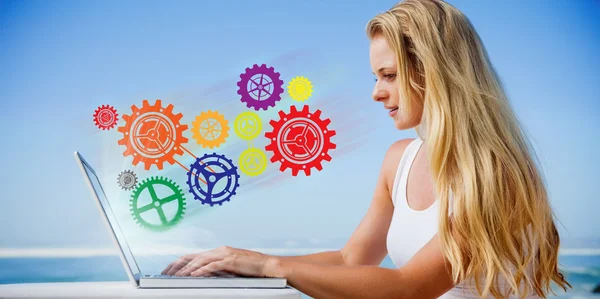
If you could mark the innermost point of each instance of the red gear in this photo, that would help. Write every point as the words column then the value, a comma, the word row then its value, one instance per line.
column 300, row 140
column 153, row 134
column 106, row 117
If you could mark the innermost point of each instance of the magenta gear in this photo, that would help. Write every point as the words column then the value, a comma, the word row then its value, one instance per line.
column 300, row 140
column 260, row 87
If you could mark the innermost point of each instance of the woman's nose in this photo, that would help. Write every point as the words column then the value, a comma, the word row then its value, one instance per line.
column 379, row 94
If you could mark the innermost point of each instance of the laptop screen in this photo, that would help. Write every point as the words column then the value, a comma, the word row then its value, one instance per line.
column 116, row 229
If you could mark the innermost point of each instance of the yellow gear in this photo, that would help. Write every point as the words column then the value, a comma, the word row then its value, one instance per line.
column 210, row 129
column 247, row 125
column 300, row 89
column 253, row 161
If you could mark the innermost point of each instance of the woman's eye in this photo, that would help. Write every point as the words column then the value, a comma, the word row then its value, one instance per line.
column 387, row 76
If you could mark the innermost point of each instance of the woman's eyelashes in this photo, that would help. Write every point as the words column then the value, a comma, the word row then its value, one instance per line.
column 389, row 77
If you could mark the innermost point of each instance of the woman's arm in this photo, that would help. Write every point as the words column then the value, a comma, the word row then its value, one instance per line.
column 426, row 275
column 327, row 257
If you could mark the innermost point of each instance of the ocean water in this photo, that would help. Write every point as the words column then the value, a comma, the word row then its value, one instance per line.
column 583, row 272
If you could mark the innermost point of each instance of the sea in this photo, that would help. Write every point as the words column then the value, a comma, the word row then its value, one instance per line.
column 582, row 271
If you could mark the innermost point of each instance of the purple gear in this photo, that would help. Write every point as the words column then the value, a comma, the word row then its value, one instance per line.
column 257, row 91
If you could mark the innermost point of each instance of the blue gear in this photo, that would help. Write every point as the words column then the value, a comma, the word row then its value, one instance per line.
column 201, row 169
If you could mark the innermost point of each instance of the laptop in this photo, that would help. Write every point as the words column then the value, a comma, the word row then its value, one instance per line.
column 149, row 280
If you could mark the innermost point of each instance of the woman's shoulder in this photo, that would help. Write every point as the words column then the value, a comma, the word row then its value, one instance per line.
column 401, row 145
column 397, row 149
column 392, row 158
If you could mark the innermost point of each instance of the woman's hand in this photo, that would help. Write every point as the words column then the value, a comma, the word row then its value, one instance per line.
column 224, row 259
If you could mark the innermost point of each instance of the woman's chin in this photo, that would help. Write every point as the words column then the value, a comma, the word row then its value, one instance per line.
column 402, row 125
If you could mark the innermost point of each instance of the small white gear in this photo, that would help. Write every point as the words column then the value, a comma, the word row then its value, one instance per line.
column 127, row 180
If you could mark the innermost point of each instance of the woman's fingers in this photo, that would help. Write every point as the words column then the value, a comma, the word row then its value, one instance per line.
column 166, row 269
column 217, row 266
column 182, row 266
column 169, row 267
column 178, row 264
column 195, row 264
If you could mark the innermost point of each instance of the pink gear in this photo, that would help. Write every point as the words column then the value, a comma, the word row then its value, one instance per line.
column 300, row 140
column 106, row 117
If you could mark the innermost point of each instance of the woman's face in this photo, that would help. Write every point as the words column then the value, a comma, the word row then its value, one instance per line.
column 386, row 90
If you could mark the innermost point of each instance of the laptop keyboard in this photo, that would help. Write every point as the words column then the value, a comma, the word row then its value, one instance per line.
column 178, row 277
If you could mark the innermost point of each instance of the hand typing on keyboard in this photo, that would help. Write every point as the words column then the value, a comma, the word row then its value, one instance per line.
column 229, row 260
column 212, row 275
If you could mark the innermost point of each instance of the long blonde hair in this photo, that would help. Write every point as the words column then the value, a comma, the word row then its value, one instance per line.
column 501, row 221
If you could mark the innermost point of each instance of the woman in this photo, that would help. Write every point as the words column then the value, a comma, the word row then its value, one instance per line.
column 462, row 210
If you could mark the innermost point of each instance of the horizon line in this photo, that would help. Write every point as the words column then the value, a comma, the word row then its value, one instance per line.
column 96, row 252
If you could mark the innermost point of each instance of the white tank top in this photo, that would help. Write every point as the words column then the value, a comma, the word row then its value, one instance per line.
column 410, row 229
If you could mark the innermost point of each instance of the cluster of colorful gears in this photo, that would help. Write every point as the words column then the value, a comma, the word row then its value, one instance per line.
column 153, row 134
column 300, row 140
column 247, row 126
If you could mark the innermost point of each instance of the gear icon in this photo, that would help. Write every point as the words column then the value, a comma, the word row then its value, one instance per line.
column 127, row 180
column 300, row 140
column 260, row 87
column 220, row 179
column 247, row 125
column 153, row 134
column 210, row 129
column 106, row 117
column 253, row 161
column 149, row 211
column 300, row 89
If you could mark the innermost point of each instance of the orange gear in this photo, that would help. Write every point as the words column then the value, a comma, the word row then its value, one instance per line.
column 152, row 134
column 210, row 129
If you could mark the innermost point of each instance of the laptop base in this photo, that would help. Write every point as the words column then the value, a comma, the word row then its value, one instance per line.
column 212, row 282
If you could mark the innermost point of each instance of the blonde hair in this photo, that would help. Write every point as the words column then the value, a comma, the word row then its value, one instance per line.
column 501, row 221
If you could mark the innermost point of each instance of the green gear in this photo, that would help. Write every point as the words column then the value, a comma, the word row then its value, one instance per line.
column 157, row 203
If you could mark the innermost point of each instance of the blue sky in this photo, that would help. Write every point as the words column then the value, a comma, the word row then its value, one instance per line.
column 59, row 60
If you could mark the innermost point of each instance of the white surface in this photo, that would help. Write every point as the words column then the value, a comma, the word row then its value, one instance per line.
column 126, row 290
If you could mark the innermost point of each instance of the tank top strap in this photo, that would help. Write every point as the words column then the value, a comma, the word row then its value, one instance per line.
column 406, row 162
